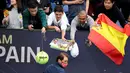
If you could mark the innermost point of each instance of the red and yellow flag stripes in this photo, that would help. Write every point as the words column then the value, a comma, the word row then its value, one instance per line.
column 110, row 38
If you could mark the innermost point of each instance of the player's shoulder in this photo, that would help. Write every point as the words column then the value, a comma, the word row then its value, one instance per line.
column 51, row 65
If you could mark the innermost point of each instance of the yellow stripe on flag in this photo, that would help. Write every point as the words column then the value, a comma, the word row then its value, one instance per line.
column 115, row 37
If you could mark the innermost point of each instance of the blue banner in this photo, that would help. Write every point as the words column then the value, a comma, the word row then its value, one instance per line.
column 18, row 49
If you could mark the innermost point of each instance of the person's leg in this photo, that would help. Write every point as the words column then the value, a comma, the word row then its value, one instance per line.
column 53, row 5
column 71, row 13
column 65, row 7
column 91, row 9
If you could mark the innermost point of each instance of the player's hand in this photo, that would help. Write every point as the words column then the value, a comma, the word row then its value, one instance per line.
column 57, row 29
column 43, row 29
column 30, row 27
column 63, row 38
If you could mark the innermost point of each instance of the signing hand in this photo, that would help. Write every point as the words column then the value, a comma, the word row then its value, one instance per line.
column 30, row 27
column 43, row 30
column 57, row 29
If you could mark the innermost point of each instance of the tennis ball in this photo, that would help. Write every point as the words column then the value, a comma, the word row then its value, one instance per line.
column 42, row 57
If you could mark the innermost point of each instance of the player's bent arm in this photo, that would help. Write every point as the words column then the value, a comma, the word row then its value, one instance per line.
column 63, row 32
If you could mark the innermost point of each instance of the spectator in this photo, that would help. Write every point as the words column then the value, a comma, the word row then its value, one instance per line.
column 44, row 4
column 61, row 63
column 75, row 6
column 111, row 10
column 57, row 20
column 14, row 18
column 33, row 17
column 81, row 22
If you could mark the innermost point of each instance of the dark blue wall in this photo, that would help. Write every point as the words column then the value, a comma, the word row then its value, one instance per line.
column 90, row 59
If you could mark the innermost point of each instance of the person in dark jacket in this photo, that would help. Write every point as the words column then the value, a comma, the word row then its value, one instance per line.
column 58, row 67
column 34, row 17
column 111, row 10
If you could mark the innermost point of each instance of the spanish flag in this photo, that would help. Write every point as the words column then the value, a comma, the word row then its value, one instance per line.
column 110, row 38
